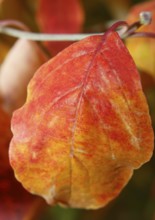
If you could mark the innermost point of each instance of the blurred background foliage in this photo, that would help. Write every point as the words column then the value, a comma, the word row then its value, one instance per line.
column 137, row 200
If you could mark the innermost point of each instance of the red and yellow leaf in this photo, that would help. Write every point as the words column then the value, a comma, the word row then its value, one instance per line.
column 85, row 126
column 143, row 49
column 59, row 17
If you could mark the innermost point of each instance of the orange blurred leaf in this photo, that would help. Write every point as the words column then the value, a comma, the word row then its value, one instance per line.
column 85, row 126
column 20, row 64
column 59, row 17
column 143, row 49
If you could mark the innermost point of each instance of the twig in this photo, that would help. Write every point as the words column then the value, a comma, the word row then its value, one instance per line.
column 124, row 32
column 43, row 37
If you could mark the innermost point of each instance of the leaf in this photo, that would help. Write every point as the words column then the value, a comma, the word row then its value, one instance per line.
column 84, row 127
column 59, row 17
column 17, row 70
column 143, row 49
column 15, row 202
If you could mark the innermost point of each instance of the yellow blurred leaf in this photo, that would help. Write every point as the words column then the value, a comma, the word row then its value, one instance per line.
column 143, row 49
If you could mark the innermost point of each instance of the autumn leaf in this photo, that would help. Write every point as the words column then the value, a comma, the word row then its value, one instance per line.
column 143, row 49
column 24, row 58
column 84, row 127
column 59, row 17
